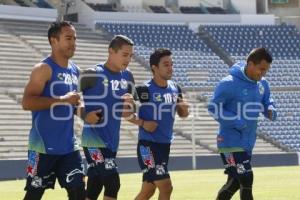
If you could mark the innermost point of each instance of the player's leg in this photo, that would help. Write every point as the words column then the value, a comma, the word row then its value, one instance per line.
column 111, row 186
column 165, row 188
column 246, row 182
column 229, row 189
column 232, row 184
column 95, row 185
column 70, row 174
column 153, row 160
column 244, row 174
column 40, row 175
column 109, row 172
column 147, row 164
column 146, row 192
column 34, row 194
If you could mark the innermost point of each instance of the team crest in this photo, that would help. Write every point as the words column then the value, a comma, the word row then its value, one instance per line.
column 124, row 84
column 261, row 88
column 245, row 92
column 105, row 82
column 157, row 97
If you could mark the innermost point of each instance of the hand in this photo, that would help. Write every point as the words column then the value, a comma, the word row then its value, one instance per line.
column 128, row 99
column 94, row 117
column 149, row 126
column 71, row 97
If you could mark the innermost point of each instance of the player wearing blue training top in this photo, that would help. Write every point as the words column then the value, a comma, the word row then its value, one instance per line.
column 107, row 90
column 238, row 100
column 50, row 95
column 160, row 99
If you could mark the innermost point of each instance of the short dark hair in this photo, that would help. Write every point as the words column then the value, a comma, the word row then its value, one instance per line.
column 55, row 28
column 158, row 54
column 259, row 54
column 118, row 41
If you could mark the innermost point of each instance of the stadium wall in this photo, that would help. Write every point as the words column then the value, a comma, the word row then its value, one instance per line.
column 27, row 13
column 15, row 169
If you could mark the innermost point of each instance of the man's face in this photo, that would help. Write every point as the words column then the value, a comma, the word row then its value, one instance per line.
column 65, row 44
column 122, row 57
column 164, row 70
column 256, row 72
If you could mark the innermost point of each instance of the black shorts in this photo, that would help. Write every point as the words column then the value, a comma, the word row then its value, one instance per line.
column 237, row 163
column 43, row 169
column 101, row 161
column 153, row 160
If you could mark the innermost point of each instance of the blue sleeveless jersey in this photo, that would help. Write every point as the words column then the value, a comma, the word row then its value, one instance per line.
column 160, row 107
column 105, row 94
column 52, row 129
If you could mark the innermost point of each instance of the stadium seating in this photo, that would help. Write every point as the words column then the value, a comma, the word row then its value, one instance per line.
column 185, row 45
column 282, row 40
column 192, row 69
column 286, row 130
column 23, row 43
column 30, row 37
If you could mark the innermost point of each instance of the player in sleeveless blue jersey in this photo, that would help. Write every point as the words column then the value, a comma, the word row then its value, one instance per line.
column 51, row 96
column 238, row 99
column 160, row 99
column 107, row 90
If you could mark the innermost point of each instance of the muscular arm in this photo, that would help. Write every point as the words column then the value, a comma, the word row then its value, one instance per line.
column 32, row 99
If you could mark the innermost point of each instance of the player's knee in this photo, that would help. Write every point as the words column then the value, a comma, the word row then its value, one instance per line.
column 246, row 180
column 166, row 188
column 112, row 185
column 35, row 194
column 76, row 193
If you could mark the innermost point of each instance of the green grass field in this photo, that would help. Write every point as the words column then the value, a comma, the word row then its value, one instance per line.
column 274, row 183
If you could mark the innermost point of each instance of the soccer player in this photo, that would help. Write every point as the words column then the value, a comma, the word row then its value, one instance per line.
column 238, row 100
column 51, row 96
column 107, row 91
column 160, row 99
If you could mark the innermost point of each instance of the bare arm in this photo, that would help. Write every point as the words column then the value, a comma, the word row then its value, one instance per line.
column 32, row 99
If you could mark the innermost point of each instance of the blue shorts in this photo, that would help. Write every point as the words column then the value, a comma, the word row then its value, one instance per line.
column 43, row 169
column 236, row 163
column 101, row 161
column 153, row 160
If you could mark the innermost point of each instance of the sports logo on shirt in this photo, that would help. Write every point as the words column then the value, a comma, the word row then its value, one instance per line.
column 157, row 97
column 105, row 82
column 123, row 84
column 68, row 78
column 147, row 156
column 261, row 88
column 96, row 155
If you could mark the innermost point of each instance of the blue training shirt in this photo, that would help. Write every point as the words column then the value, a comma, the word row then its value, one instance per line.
column 104, row 93
column 52, row 129
column 159, row 106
